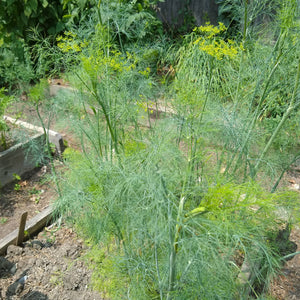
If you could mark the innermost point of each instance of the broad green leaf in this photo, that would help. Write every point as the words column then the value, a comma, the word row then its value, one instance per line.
column 27, row 11
column 59, row 26
column 45, row 3
column 33, row 5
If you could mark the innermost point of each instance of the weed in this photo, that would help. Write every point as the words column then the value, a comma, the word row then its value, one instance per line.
column 17, row 177
column 56, row 278
column 49, row 236
column 17, row 186
column 108, row 273
column 35, row 194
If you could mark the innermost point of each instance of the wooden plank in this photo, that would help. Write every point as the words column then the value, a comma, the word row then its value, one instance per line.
column 54, row 137
column 20, row 236
column 32, row 227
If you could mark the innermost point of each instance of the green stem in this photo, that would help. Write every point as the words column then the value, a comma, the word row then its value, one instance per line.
column 49, row 150
column 194, row 138
column 245, row 19
column 297, row 156
column 3, row 141
column 94, row 93
column 249, row 130
column 99, row 12
column 174, row 250
column 210, row 63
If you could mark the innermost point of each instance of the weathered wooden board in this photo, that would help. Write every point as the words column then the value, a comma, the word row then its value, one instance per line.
column 32, row 227
column 174, row 12
column 16, row 160
column 54, row 137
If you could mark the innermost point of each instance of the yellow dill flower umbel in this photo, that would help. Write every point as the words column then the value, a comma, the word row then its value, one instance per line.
column 210, row 30
column 216, row 46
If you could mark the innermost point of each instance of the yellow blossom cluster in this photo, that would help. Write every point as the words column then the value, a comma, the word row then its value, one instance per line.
column 145, row 104
column 210, row 30
column 219, row 48
column 216, row 46
column 114, row 62
column 68, row 43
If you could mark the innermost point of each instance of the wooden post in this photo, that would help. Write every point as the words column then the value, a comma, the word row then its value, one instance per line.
column 21, row 229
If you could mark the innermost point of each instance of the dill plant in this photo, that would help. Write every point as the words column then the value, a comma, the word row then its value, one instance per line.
column 214, row 79
column 37, row 94
column 138, row 203
column 173, row 226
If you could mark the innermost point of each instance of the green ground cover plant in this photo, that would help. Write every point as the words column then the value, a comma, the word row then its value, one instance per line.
column 169, row 200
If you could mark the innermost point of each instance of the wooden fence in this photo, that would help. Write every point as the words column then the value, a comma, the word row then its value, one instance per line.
column 177, row 13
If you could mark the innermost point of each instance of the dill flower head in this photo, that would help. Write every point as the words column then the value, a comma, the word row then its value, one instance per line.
column 211, row 43
column 210, row 30
column 69, row 43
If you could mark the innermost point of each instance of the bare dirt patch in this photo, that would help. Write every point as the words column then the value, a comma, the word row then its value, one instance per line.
column 32, row 193
column 287, row 285
column 49, row 267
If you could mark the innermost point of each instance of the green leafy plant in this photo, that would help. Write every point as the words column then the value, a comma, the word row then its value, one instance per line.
column 15, row 66
column 17, row 186
column 28, row 32
column 36, row 95
column 162, row 247
column 35, row 193
column 246, row 18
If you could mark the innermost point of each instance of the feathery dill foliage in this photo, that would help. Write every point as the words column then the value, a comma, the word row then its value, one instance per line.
column 168, row 217
column 137, row 202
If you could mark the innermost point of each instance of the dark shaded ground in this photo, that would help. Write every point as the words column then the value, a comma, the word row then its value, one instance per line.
column 287, row 285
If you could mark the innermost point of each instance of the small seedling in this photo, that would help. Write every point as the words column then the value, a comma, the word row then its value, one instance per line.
column 17, row 185
column 49, row 236
column 34, row 191
column 16, row 176
column 56, row 278
column 51, row 150
column 35, row 194
column 3, row 220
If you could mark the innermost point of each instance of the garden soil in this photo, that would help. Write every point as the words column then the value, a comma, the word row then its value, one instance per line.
column 51, row 266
